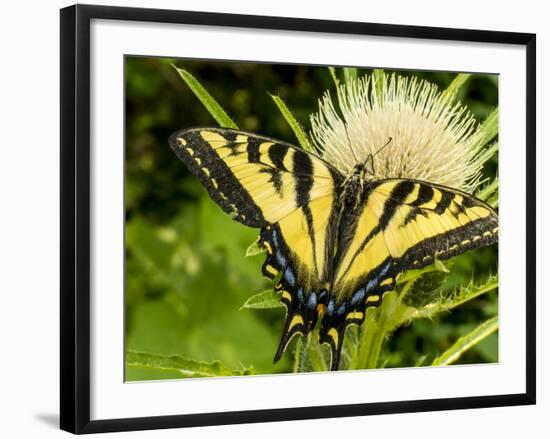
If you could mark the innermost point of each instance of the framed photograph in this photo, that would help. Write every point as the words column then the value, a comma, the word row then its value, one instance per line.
column 267, row 218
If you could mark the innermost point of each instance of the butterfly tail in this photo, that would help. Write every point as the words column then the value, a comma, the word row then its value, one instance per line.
column 334, row 336
column 294, row 324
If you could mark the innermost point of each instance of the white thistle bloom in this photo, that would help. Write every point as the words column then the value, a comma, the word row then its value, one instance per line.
column 433, row 136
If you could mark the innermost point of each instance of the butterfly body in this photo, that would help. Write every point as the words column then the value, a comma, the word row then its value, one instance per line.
column 335, row 243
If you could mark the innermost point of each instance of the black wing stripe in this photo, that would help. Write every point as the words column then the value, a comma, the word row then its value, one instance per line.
column 204, row 157
column 302, row 164
column 473, row 235
column 398, row 195
column 444, row 202
column 253, row 150
column 425, row 194
column 304, row 167
column 277, row 153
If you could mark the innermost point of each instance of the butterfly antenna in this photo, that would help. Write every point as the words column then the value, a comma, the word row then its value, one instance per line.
column 371, row 156
column 349, row 143
column 386, row 144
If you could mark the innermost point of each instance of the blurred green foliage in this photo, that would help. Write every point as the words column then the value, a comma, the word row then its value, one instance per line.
column 187, row 276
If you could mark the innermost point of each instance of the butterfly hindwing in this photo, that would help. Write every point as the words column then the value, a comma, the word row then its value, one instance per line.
column 298, row 250
column 401, row 225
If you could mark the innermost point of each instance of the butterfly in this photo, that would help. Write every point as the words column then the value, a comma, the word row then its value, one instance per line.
column 335, row 243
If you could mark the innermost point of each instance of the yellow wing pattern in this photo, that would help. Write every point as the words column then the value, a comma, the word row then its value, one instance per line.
column 330, row 262
column 285, row 191
column 255, row 179
column 402, row 224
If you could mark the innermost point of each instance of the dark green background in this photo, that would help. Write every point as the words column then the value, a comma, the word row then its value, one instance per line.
column 186, row 272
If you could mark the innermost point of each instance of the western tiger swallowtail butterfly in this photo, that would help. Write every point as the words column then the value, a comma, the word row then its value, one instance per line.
column 335, row 243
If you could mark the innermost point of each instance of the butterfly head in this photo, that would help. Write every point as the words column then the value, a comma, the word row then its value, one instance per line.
column 362, row 170
column 365, row 170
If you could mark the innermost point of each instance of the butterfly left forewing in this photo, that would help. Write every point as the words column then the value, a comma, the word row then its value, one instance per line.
column 255, row 179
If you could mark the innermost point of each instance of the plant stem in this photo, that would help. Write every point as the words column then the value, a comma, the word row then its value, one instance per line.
column 376, row 327
column 377, row 339
column 370, row 344
column 297, row 366
column 317, row 358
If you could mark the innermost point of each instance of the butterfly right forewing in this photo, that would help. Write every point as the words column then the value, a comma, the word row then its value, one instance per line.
column 402, row 224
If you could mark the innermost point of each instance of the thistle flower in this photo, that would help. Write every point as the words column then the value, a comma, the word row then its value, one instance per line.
column 433, row 136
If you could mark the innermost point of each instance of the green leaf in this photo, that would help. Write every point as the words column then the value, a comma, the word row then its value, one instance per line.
column 379, row 79
column 488, row 129
column 298, row 356
column 350, row 74
column 493, row 201
column 485, row 192
column 316, row 356
column 488, row 153
column 254, row 249
column 294, row 124
column 455, row 85
column 466, row 342
column 207, row 100
column 469, row 292
column 414, row 274
column 265, row 300
column 460, row 296
column 332, row 71
column 420, row 361
column 188, row 368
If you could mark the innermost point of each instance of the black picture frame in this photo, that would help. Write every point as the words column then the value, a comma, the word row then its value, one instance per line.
column 75, row 217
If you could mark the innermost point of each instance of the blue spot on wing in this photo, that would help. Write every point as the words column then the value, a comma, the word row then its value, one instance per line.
column 275, row 239
column 371, row 284
column 358, row 297
column 374, row 282
column 330, row 307
column 289, row 277
column 312, row 301
column 280, row 259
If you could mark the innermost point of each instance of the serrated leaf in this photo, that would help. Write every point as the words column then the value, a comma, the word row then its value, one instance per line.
column 254, row 249
column 440, row 266
column 188, row 368
column 207, row 100
column 294, row 124
column 460, row 296
column 465, row 343
column 413, row 274
column 267, row 299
